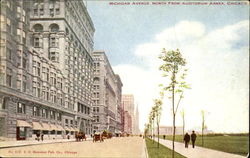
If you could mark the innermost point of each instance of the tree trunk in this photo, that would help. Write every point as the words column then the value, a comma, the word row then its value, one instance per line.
column 158, row 134
column 202, row 133
column 183, row 130
column 153, row 132
column 173, row 120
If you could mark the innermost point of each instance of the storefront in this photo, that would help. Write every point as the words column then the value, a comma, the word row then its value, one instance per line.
column 21, row 130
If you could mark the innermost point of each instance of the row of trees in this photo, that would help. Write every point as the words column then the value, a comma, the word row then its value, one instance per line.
column 175, row 73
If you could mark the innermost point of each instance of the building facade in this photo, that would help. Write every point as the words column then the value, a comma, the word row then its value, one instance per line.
column 136, row 121
column 127, row 123
column 106, row 95
column 129, row 106
column 46, row 68
column 168, row 130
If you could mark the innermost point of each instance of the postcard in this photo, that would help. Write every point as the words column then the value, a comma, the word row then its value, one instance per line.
column 124, row 78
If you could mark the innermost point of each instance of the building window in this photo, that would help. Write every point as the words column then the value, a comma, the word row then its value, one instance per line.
column 36, row 111
column 9, row 54
column 66, row 121
column 57, row 11
column 8, row 80
column 38, row 28
column 36, row 42
column 8, row 25
column 53, row 42
column 21, row 108
column 36, row 68
column 41, row 11
column 45, row 74
column 45, row 113
column 59, row 116
column 24, row 84
column 38, row 90
column 18, row 85
column 71, row 122
column 24, row 63
column 54, row 28
column 51, row 11
column 53, row 56
column 35, row 12
column 52, row 115
column 96, row 118
column 59, row 83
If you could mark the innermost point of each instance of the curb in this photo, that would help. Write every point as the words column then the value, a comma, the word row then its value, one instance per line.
column 12, row 146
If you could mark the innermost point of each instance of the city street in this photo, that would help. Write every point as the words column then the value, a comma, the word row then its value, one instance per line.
column 115, row 147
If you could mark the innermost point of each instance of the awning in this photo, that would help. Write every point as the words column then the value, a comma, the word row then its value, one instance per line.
column 46, row 126
column 76, row 129
column 67, row 128
column 53, row 127
column 118, row 131
column 60, row 128
column 21, row 123
column 37, row 126
column 71, row 129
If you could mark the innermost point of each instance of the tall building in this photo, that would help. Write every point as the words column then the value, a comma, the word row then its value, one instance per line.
column 136, row 121
column 127, row 123
column 46, row 68
column 129, row 106
column 106, row 95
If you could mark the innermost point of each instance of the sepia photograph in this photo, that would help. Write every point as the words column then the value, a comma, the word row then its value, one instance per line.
column 124, row 78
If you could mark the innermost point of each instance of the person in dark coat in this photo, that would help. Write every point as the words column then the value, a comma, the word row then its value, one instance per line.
column 186, row 139
column 42, row 137
column 38, row 136
column 193, row 138
column 164, row 137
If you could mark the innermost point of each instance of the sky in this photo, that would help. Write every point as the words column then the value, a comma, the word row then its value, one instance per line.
column 214, row 40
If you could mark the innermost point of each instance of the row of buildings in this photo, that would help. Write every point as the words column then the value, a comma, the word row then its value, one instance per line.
column 51, row 79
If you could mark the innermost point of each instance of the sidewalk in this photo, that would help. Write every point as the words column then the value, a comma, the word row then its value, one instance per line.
column 145, row 150
column 15, row 143
column 198, row 152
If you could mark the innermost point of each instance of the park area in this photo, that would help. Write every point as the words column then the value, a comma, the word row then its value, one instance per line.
column 161, row 152
column 230, row 143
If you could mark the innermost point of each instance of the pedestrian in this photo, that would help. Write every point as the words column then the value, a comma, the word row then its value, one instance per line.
column 186, row 139
column 42, row 137
column 193, row 138
column 38, row 136
column 68, row 135
column 164, row 137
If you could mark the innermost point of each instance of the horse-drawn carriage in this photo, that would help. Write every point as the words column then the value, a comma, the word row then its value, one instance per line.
column 98, row 137
column 106, row 134
column 80, row 136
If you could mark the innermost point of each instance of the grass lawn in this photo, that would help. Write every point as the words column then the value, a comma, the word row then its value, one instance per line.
column 161, row 152
column 231, row 144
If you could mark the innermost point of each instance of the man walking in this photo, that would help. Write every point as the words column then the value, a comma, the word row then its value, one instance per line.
column 186, row 140
column 193, row 138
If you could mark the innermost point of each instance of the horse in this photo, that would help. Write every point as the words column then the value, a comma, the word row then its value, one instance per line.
column 97, row 137
column 80, row 136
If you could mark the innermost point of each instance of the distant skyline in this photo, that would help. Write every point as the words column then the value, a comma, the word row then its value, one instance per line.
column 214, row 41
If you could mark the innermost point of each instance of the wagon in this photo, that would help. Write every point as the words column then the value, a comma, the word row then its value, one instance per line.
column 97, row 137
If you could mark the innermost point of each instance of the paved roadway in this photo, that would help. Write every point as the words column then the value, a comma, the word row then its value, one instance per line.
column 198, row 152
column 123, row 147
